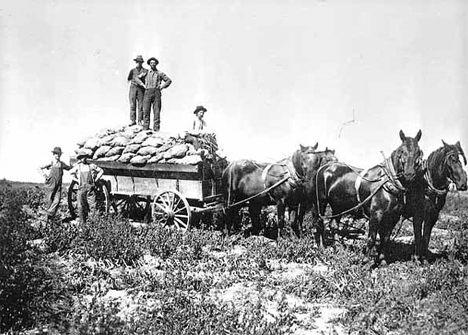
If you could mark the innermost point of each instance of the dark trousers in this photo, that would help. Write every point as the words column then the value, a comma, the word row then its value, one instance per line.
column 53, row 201
column 136, row 98
column 152, row 98
column 86, row 197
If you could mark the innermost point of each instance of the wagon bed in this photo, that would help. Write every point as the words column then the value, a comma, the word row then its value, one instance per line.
column 174, row 190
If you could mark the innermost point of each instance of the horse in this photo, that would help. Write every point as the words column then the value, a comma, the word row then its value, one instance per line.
column 442, row 167
column 379, row 193
column 262, row 184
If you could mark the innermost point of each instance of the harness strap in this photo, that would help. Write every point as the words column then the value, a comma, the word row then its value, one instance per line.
column 357, row 183
column 265, row 173
column 431, row 187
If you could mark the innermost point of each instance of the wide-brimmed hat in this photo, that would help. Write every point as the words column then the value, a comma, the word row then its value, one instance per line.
column 139, row 59
column 152, row 58
column 199, row 108
column 57, row 150
column 81, row 154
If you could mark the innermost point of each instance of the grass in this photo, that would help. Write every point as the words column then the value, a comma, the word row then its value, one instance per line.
column 109, row 277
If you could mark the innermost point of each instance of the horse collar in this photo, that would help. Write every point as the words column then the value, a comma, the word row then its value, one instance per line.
column 389, row 170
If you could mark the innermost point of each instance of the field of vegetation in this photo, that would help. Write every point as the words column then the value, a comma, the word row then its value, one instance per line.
column 111, row 276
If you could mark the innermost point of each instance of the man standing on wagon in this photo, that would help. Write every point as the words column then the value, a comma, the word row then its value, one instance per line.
column 155, row 82
column 136, row 78
column 86, row 175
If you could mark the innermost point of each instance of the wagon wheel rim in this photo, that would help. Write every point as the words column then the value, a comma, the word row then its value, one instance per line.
column 171, row 209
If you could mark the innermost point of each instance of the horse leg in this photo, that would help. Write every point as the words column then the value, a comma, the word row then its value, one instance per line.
column 429, row 223
column 231, row 221
column 254, row 210
column 280, row 208
column 319, row 225
column 418, row 241
column 294, row 220
column 374, row 222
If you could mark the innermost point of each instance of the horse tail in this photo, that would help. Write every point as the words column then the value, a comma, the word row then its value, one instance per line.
column 227, row 182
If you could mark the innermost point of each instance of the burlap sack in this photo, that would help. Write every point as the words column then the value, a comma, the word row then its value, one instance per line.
column 133, row 148
column 191, row 160
column 106, row 140
column 177, row 151
column 166, row 146
column 120, row 141
column 126, row 157
column 155, row 159
column 153, row 142
column 85, row 151
column 141, row 137
column 145, row 151
column 101, row 151
column 139, row 160
column 115, row 151
column 92, row 143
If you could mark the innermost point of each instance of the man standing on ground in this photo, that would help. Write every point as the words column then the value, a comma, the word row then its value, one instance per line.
column 86, row 175
column 155, row 82
column 137, row 90
column 53, row 181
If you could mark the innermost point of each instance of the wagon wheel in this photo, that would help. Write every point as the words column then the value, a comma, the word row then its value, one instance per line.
column 171, row 209
column 132, row 207
column 102, row 198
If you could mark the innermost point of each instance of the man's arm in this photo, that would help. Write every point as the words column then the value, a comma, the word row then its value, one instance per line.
column 42, row 168
column 166, row 81
column 65, row 166
column 130, row 75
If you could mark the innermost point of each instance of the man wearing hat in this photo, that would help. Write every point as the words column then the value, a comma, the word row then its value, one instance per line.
column 198, row 127
column 155, row 82
column 136, row 78
column 53, row 180
column 86, row 175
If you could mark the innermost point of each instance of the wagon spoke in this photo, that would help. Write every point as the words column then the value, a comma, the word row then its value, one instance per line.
column 180, row 210
column 163, row 199
column 180, row 223
column 177, row 204
column 164, row 208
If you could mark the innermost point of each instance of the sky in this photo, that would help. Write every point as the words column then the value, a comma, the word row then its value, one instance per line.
column 272, row 74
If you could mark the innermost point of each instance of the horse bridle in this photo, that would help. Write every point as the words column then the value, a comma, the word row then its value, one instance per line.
column 428, row 178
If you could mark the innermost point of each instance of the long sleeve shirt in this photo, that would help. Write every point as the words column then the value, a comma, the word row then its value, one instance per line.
column 154, row 79
column 137, row 76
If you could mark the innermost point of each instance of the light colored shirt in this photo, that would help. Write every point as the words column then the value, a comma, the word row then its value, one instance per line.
column 136, row 76
column 154, row 79
column 199, row 126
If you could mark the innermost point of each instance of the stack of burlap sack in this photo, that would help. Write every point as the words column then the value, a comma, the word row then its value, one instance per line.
column 133, row 145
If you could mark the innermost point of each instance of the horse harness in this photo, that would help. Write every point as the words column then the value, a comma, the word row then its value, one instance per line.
column 390, row 184
column 290, row 174
column 431, row 190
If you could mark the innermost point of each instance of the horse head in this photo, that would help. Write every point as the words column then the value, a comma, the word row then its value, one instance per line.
column 307, row 159
column 407, row 158
column 454, row 167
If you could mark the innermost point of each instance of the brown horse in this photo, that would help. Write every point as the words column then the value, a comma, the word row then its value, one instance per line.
column 442, row 167
column 260, row 184
column 378, row 193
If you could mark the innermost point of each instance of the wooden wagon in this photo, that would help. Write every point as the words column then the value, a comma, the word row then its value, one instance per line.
column 168, row 194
